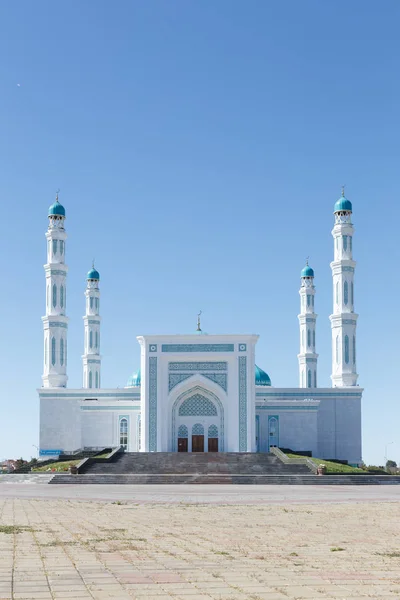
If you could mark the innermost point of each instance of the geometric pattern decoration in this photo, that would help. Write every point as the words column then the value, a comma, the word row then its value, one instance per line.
column 152, row 404
column 197, row 348
column 182, row 431
column 219, row 378
column 198, row 366
column 213, row 431
column 197, row 406
column 175, row 378
column 198, row 429
column 242, row 347
column 242, row 403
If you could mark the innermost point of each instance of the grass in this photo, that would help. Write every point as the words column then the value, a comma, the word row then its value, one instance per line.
column 60, row 466
column 393, row 554
column 8, row 529
column 337, row 549
column 334, row 468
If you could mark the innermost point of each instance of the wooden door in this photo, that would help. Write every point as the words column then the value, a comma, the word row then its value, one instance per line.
column 213, row 444
column 197, row 443
column 182, row 444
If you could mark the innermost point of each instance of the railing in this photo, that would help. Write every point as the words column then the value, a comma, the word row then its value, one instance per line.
column 300, row 460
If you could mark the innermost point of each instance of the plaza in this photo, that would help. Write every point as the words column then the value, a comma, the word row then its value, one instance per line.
column 198, row 542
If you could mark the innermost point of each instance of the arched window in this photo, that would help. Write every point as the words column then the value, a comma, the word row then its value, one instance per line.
column 308, row 299
column 352, row 293
column 354, row 349
column 61, row 351
column 309, row 378
column 346, row 292
column 313, row 338
column 183, row 431
column 61, row 247
column 315, row 378
column 308, row 338
column 337, row 292
column 337, row 349
column 198, row 429
column 91, row 302
column 96, row 339
column 123, row 433
column 55, row 246
column 346, row 349
column 53, row 351
column 91, row 339
column 213, row 431
column 345, row 243
column 97, row 379
column 97, row 304
column 312, row 299
column 351, row 243
column 54, row 295
column 90, row 379
column 62, row 296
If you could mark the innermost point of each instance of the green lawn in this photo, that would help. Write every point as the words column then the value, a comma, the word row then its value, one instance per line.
column 334, row 468
column 60, row 466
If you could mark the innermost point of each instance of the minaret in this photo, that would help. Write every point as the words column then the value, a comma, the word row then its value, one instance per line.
column 55, row 323
column 343, row 319
column 91, row 358
column 307, row 320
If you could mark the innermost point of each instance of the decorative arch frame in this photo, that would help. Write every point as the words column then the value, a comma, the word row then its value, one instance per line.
column 198, row 389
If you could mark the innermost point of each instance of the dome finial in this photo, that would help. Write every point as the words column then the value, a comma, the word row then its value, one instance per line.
column 92, row 263
column 307, row 258
column 198, row 321
column 343, row 186
column 57, row 192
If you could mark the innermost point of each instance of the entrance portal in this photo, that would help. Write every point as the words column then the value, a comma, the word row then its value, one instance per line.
column 182, row 444
column 197, row 443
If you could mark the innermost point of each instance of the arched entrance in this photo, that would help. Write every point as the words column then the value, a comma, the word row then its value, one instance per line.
column 198, row 422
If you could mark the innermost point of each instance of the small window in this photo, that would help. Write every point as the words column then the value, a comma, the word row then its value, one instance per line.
column 308, row 338
column 91, row 339
column 346, row 349
column 313, row 338
column 61, row 247
column 308, row 300
column 123, row 433
column 315, row 378
column 54, row 295
column 345, row 243
column 53, row 351
column 91, row 302
column 97, row 379
column 61, row 352
column 309, row 379
column 55, row 246
column 352, row 293
column 90, row 379
column 62, row 296
column 346, row 293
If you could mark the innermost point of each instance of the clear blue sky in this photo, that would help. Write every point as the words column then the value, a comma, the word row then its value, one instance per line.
column 199, row 148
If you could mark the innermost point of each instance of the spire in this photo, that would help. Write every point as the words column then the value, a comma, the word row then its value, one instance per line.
column 198, row 322
column 343, row 186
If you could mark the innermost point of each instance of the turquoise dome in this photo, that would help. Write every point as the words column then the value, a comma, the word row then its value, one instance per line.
column 343, row 204
column 307, row 272
column 93, row 274
column 56, row 209
column 134, row 380
column 262, row 378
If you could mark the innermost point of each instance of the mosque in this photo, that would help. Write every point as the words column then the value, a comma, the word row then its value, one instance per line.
column 198, row 392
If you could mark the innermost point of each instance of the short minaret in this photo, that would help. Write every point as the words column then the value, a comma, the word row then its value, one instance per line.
column 343, row 320
column 91, row 358
column 307, row 320
column 55, row 323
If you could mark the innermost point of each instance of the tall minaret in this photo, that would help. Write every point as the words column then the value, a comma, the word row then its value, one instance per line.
column 307, row 320
column 55, row 323
column 343, row 319
column 91, row 358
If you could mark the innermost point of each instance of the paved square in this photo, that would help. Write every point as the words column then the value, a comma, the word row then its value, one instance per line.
column 61, row 548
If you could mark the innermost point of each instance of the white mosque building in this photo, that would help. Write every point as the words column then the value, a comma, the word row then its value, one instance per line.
column 202, row 393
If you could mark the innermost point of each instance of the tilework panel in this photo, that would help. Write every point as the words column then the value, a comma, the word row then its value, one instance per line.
column 196, row 406
column 198, row 366
column 242, row 403
column 152, row 404
column 197, row 348
column 219, row 378
column 175, row 378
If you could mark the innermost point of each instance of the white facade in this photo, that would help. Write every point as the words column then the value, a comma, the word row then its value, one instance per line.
column 201, row 393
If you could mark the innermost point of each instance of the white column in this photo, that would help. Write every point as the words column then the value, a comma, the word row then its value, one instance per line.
column 91, row 358
column 55, row 323
column 307, row 321
column 343, row 320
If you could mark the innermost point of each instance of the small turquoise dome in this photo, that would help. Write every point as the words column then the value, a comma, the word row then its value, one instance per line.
column 134, row 380
column 56, row 209
column 307, row 272
column 343, row 204
column 93, row 274
column 262, row 378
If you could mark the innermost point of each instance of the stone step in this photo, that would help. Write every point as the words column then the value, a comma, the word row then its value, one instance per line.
column 26, row 478
column 148, row 479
